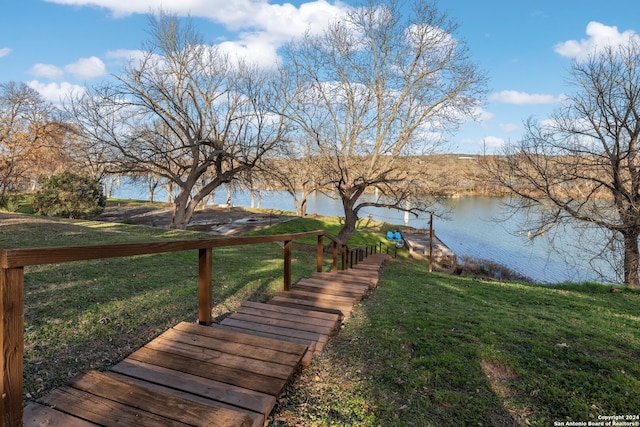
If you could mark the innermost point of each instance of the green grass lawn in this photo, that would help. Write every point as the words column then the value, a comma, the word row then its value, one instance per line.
column 429, row 349
column 423, row 349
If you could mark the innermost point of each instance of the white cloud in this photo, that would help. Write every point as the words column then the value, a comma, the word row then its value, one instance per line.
column 493, row 142
column 487, row 144
column 482, row 115
column 252, row 51
column 47, row 70
column 236, row 15
column 510, row 127
column 125, row 55
column 56, row 92
column 263, row 27
column 600, row 36
column 523, row 98
column 86, row 68
column 4, row 51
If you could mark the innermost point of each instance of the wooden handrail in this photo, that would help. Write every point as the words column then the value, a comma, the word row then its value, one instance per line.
column 13, row 261
column 21, row 257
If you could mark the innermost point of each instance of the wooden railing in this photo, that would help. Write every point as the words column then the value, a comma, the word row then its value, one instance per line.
column 352, row 256
column 13, row 261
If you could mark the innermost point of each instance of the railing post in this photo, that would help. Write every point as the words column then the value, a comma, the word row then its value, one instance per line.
column 344, row 257
column 287, row 265
column 11, row 345
column 335, row 256
column 205, row 277
column 319, row 253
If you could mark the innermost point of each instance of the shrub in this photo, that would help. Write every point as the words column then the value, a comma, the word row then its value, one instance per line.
column 69, row 195
column 11, row 202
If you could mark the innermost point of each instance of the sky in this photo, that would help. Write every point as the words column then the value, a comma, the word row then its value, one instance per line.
column 525, row 47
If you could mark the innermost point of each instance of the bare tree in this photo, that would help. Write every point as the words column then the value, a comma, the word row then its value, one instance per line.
column 295, row 170
column 31, row 138
column 381, row 82
column 582, row 166
column 184, row 111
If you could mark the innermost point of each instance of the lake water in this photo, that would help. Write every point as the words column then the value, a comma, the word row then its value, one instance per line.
column 470, row 230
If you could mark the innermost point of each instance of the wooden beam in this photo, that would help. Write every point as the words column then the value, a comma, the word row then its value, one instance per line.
column 10, row 258
column 344, row 257
column 205, row 277
column 319, row 252
column 12, row 345
column 287, row 265
column 335, row 256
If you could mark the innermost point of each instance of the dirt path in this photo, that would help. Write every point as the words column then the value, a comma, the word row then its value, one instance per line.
column 216, row 220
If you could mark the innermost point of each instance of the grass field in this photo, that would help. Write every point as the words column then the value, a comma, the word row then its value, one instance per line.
column 423, row 349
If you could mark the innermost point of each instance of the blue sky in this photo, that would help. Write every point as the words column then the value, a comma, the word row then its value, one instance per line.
column 525, row 47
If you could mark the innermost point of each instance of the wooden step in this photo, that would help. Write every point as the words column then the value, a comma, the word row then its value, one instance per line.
column 189, row 375
column 313, row 347
column 217, row 391
column 308, row 323
column 303, row 303
column 345, row 277
column 106, row 400
column 37, row 415
column 318, row 296
column 302, row 312
column 332, row 288
column 369, row 267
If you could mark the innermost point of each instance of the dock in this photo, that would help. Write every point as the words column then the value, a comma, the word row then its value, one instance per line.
column 419, row 243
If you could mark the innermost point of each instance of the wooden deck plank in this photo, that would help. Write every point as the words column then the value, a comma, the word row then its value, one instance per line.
column 367, row 267
column 165, row 343
column 285, row 323
column 274, row 330
column 167, row 405
column 330, row 284
column 236, row 377
column 104, row 412
column 315, row 347
column 298, row 312
column 345, row 277
column 257, row 419
column 253, row 340
column 215, row 390
column 319, row 296
column 36, row 415
column 329, row 290
column 312, row 346
column 345, row 311
column 291, row 318
column 227, row 349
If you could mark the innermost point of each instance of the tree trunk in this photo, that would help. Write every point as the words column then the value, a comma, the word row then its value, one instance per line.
column 350, row 220
column 182, row 211
column 303, row 207
column 631, row 259
column 300, row 205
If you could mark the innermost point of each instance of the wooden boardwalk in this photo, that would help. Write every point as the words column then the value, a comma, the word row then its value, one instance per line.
column 228, row 374
column 419, row 241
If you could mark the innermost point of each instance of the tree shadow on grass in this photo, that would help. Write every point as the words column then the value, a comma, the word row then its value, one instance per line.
column 92, row 314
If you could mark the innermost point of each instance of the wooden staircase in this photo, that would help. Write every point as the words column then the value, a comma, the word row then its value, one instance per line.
column 227, row 374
